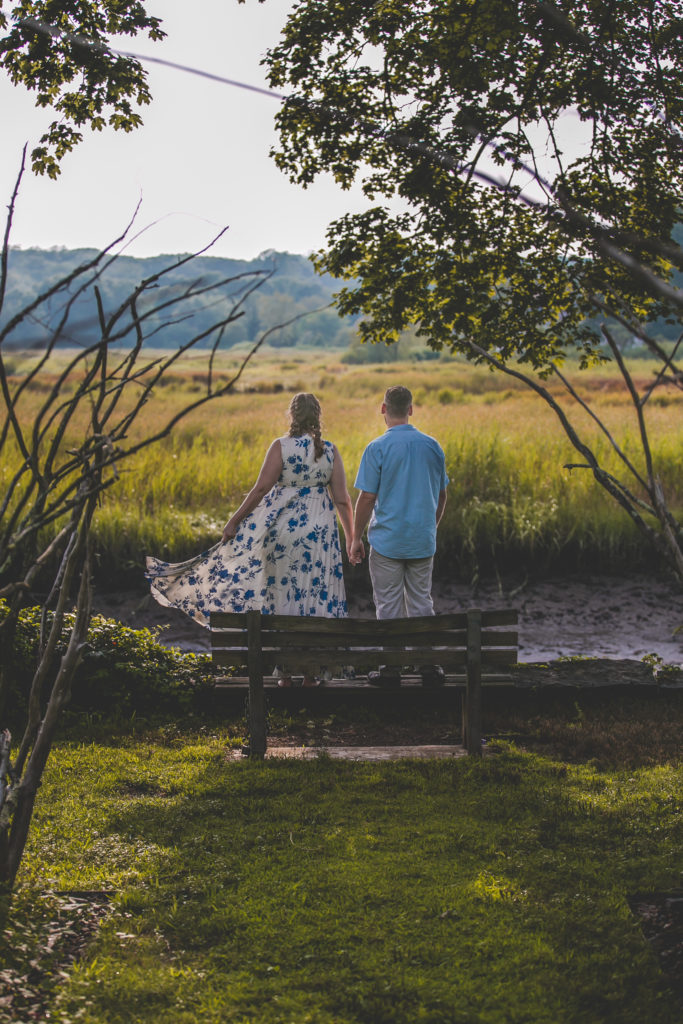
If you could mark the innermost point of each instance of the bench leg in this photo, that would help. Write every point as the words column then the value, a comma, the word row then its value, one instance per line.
column 473, row 696
column 257, row 703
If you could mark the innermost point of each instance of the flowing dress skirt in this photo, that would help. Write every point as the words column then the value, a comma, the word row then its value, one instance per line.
column 285, row 558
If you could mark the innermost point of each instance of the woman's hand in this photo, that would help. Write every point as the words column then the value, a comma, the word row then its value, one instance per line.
column 230, row 530
column 356, row 552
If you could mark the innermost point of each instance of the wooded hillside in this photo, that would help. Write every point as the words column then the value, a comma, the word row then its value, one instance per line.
column 293, row 288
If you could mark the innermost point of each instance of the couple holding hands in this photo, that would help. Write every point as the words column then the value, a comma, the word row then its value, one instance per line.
column 280, row 551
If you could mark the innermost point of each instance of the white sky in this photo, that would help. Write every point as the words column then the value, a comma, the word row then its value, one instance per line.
column 200, row 161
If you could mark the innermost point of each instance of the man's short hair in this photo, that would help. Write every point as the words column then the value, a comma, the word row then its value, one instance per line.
column 398, row 400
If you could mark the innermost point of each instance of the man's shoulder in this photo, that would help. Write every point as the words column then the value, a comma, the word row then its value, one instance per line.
column 374, row 445
column 428, row 440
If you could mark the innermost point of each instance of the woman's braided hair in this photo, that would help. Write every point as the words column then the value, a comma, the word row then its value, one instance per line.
column 305, row 413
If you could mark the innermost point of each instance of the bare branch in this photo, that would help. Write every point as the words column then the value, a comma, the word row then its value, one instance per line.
column 8, row 230
column 635, row 398
column 620, row 493
column 662, row 378
column 63, row 284
column 596, row 419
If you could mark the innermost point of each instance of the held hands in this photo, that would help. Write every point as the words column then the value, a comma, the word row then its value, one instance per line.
column 355, row 551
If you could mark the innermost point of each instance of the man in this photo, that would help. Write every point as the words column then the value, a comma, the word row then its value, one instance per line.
column 402, row 479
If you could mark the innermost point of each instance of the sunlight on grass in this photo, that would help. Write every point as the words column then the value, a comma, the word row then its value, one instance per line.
column 473, row 891
column 511, row 501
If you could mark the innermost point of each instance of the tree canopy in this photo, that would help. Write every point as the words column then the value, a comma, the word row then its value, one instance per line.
column 60, row 50
column 451, row 113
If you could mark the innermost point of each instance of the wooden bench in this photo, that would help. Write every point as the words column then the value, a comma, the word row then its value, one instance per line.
column 471, row 647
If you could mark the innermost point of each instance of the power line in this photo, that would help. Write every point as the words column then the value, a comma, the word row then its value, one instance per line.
column 54, row 32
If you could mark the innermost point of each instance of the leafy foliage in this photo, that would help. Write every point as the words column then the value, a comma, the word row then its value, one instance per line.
column 490, row 236
column 123, row 670
column 60, row 51
column 427, row 103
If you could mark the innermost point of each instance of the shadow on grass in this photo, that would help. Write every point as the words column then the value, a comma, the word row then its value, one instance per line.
column 457, row 891
column 609, row 729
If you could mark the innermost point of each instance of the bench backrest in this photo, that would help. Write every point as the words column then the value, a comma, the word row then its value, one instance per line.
column 295, row 643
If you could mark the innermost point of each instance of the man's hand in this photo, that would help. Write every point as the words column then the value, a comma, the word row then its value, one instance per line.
column 356, row 552
column 364, row 506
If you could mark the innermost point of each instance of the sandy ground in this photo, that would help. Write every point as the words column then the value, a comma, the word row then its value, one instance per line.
column 600, row 616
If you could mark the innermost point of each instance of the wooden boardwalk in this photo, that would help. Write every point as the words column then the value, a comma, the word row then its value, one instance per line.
column 434, row 751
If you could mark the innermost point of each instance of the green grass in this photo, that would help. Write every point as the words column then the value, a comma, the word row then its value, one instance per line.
column 511, row 502
column 465, row 892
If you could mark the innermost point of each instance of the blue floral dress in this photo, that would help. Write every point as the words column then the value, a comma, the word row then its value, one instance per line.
column 284, row 560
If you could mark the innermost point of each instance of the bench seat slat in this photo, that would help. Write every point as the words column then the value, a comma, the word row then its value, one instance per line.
column 438, row 639
column 454, row 680
column 308, row 657
column 316, row 660
column 224, row 640
column 361, row 627
column 284, row 640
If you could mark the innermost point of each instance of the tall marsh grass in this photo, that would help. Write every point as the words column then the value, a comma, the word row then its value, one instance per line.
column 512, row 505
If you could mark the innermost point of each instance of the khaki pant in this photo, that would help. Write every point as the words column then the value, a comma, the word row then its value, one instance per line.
column 401, row 586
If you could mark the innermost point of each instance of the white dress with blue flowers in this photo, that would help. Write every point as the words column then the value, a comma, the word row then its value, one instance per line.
column 285, row 558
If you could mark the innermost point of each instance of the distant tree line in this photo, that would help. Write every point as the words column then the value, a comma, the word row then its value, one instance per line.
column 294, row 287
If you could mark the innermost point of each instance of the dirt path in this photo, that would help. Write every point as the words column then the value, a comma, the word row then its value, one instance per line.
column 600, row 616
column 609, row 617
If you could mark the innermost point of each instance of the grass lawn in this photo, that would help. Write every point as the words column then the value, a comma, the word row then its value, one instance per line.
column 459, row 892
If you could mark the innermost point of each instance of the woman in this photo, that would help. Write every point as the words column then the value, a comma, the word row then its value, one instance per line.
column 280, row 550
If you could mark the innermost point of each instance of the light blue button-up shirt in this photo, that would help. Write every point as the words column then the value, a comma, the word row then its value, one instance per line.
column 406, row 469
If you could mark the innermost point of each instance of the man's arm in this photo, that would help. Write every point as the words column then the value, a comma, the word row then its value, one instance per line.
column 364, row 507
column 440, row 506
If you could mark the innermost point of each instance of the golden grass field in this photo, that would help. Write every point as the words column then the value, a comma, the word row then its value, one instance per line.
column 511, row 502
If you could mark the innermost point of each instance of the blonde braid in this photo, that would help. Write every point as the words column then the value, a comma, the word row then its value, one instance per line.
column 305, row 413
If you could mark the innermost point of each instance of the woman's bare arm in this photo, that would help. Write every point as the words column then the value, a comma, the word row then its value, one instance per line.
column 341, row 497
column 267, row 478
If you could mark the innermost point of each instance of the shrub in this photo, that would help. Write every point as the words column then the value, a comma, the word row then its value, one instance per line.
column 123, row 670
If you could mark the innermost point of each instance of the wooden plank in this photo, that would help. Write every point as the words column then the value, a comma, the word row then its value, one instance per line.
column 498, row 616
column 283, row 641
column 228, row 658
column 228, row 620
column 373, row 658
column 500, row 638
column 221, row 642
column 257, row 704
column 362, row 627
column 505, row 656
column 316, row 659
column 411, row 682
column 473, row 738
column 238, row 620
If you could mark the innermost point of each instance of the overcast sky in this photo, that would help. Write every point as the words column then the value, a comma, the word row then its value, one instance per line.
column 200, row 161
